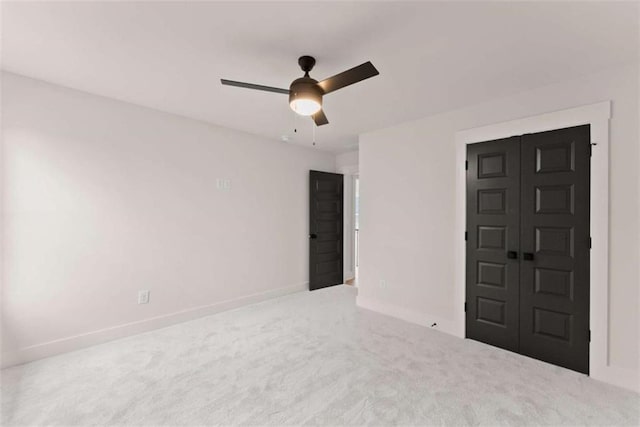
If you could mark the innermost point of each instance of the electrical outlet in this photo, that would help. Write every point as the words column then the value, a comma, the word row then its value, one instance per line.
column 143, row 297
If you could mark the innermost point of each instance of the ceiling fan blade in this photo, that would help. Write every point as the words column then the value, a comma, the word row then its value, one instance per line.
column 252, row 86
column 320, row 118
column 349, row 77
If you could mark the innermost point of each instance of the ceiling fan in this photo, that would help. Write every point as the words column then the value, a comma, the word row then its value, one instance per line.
column 305, row 93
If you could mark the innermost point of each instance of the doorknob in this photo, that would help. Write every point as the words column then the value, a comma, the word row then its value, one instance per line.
column 313, row 236
column 512, row 255
column 527, row 256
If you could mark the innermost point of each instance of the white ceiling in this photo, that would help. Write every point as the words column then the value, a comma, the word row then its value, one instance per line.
column 432, row 56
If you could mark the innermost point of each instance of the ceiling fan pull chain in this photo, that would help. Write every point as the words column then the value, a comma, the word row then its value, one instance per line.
column 313, row 126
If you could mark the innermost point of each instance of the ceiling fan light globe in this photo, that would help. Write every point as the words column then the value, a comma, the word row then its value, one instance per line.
column 305, row 107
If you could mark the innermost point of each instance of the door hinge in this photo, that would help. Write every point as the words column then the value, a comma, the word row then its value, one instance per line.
column 590, row 150
column 466, row 165
column 590, row 243
column 466, row 235
column 465, row 307
column 589, row 335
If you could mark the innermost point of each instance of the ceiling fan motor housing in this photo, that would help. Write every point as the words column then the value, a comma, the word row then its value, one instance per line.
column 305, row 88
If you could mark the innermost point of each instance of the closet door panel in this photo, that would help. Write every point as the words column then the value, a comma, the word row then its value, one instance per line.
column 492, row 275
column 554, row 239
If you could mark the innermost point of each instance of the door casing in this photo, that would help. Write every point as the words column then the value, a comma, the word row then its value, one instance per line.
column 597, row 115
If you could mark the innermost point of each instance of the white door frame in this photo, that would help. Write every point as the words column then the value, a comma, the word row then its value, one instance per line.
column 597, row 115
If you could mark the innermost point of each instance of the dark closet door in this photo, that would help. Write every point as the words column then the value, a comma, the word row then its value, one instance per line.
column 554, row 273
column 326, row 229
column 493, row 219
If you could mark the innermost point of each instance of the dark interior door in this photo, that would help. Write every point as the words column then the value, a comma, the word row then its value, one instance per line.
column 528, row 245
column 554, row 237
column 326, row 229
column 493, row 221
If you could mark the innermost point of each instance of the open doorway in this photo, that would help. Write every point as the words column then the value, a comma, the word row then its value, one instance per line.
column 347, row 164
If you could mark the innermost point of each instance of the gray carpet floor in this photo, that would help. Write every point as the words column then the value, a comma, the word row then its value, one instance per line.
column 307, row 358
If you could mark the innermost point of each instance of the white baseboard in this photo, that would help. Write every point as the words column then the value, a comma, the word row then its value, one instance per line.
column 423, row 319
column 64, row 345
column 621, row 377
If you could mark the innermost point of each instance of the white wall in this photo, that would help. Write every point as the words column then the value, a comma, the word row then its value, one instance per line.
column 348, row 161
column 347, row 164
column 408, row 208
column 103, row 198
